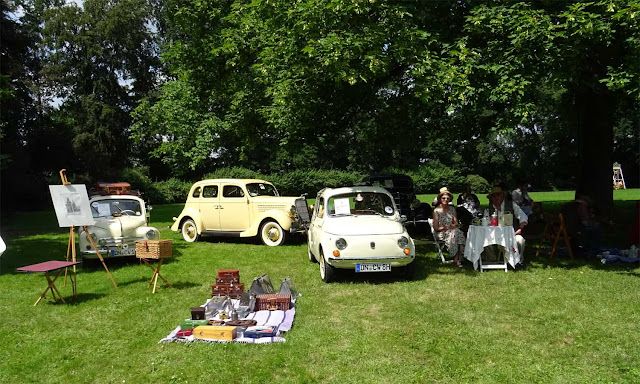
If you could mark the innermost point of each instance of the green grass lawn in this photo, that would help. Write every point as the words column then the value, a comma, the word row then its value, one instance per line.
column 558, row 321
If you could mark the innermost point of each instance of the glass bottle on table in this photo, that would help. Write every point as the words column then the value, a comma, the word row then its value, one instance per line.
column 494, row 219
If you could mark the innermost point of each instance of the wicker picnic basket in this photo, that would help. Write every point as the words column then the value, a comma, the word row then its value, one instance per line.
column 153, row 249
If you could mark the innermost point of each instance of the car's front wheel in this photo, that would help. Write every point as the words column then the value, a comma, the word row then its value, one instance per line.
column 327, row 272
column 410, row 270
column 189, row 231
column 272, row 234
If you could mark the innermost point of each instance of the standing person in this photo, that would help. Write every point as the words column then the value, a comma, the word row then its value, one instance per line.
column 521, row 197
column 497, row 204
column 469, row 201
column 445, row 223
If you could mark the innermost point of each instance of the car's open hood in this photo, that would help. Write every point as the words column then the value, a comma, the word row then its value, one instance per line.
column 362, row 225
column 119, row 226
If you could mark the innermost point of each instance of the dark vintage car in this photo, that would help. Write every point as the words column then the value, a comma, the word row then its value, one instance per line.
column 401, row 188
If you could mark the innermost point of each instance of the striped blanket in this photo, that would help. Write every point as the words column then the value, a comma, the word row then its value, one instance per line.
column 282, row 319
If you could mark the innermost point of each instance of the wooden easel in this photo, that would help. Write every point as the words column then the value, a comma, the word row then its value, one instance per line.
column 71, row 246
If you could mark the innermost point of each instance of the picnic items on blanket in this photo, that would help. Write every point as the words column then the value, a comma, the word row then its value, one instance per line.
column 261, row 331
column 228, row 284
column 234, row 319
column 273, row 301
column 212, row 332
column 197, row 313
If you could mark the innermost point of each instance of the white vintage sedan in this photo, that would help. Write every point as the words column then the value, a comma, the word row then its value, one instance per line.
column 359, row 229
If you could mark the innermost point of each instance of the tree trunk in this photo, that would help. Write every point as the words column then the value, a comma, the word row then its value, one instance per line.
column 595, row 147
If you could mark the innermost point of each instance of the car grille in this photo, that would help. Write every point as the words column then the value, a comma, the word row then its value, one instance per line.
column 119, row 242
column 268, row 207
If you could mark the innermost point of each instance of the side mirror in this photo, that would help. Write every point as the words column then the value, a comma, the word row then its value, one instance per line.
column 149, row 208
column 403, row 218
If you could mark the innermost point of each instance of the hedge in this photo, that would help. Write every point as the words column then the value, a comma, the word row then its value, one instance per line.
column 427, row 179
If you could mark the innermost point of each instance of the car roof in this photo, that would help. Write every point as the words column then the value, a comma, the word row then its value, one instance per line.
column 244, row 181
column 356, row 188
column 115, row 197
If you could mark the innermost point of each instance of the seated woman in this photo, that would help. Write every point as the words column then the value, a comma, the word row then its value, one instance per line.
column 445, row 223
column 469, row 201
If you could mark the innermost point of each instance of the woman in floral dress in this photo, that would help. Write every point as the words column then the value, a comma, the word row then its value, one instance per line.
column 445, row 223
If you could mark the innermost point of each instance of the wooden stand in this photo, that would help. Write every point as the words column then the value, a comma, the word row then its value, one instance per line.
column 156, row 272
column 71, row 246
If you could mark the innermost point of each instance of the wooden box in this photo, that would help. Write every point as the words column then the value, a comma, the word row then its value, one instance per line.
column 228, row 273
column 153, row 249
column 197, row 313
column 227, row 279
column 212, row 332
column 234, row 290
column 273, row 302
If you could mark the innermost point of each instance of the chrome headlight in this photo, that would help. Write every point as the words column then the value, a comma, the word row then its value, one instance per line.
column 403, row 242
column 341, row 244
column 102, row 242
column 93, row 236
column 151, row 234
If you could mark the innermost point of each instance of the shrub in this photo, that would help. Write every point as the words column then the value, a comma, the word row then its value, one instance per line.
column 170, row 191
column 429, row 178
column 478, row 184
column 234, row 173
column 310, row 181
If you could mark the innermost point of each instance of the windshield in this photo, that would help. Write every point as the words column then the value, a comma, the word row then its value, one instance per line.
column 261, row 189
column 115, row 207
column 361, row 203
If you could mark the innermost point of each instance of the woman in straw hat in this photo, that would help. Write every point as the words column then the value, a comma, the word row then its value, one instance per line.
column 445, row 223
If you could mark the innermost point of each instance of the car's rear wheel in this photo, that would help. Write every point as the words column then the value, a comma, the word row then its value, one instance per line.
column 312, row 258
column 189, row 231
column 272, row 234
column 327, row 272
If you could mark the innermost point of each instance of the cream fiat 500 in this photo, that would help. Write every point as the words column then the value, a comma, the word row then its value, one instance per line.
column 360, row 229
column 238, row 208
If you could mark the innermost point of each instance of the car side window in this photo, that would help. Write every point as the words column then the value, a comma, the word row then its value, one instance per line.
column 232, row 191
column 321, row 207
column 196, row 192
column 210, row 191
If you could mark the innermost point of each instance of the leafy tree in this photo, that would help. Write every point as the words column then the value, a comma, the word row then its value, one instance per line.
column 518, row 55
column 101, row 60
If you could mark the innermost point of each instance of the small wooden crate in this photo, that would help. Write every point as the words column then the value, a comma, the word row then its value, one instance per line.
column 212, row 332
column 233, row 290
column 227, row 279
column 273, row 301
column 153, row 249
column 228, row 273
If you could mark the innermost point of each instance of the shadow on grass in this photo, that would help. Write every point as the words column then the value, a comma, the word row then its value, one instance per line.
column 70, row 300
column 182, row 285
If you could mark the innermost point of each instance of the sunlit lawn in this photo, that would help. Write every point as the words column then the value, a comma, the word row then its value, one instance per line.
column 557, row 321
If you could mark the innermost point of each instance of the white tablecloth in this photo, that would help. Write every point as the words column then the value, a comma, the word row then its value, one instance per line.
column 479, row 237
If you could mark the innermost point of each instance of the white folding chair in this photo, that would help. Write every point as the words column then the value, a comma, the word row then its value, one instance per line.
column 439, row 244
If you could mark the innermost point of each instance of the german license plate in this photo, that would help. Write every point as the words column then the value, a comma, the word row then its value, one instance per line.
column 373, row 267
column 123, row 252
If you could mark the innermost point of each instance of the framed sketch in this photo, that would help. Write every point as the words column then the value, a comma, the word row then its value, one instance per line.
column 71, row 203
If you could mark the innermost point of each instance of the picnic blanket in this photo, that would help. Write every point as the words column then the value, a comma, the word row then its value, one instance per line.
column 282, row 319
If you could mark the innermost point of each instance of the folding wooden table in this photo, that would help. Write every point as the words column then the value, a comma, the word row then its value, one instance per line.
column 50, row 266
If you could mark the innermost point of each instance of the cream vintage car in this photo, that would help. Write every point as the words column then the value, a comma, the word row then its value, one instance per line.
column 238, row 208
column 121, row 218
column 359, row 229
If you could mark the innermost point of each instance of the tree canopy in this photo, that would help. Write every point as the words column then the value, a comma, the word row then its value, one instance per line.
column 545, row 90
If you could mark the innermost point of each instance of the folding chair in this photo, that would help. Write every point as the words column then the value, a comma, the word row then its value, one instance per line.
column 439, row 244
column 555, row 229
